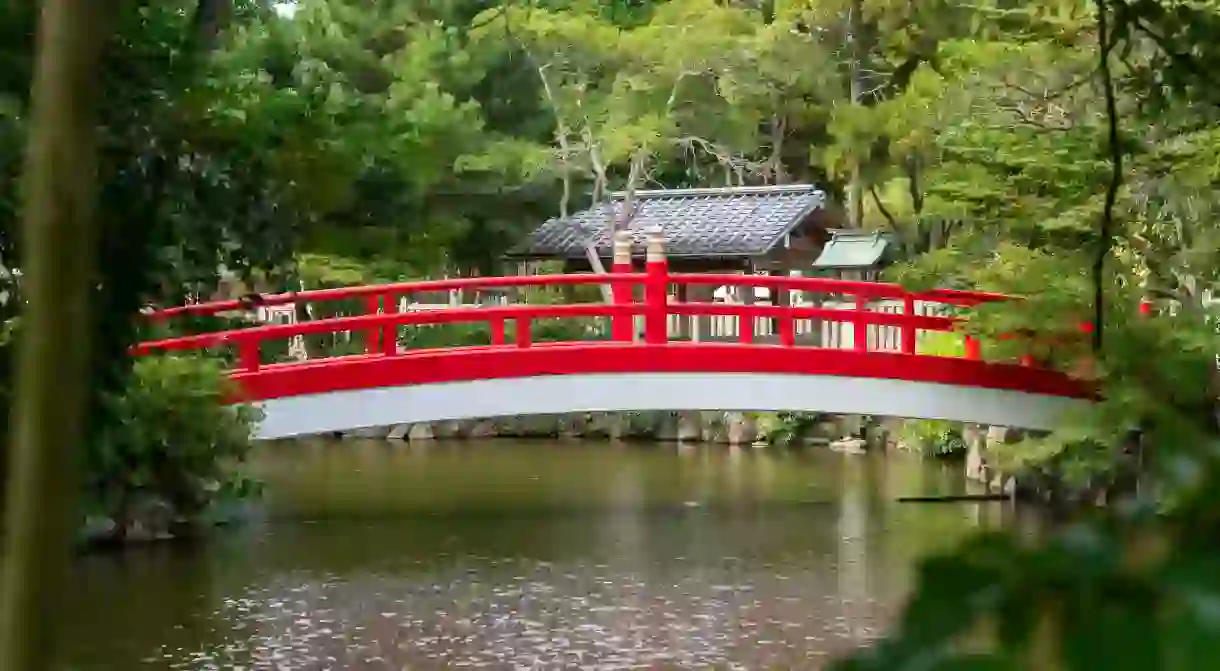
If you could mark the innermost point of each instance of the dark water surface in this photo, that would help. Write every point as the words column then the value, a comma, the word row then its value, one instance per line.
column 508, row 555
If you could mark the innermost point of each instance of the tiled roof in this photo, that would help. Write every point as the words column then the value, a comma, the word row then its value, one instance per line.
column 741, row 221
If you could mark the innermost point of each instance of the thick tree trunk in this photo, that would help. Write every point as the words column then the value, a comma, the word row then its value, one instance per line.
column 52, row 376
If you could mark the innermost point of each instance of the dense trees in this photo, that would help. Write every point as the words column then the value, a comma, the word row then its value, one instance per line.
column 1064, row 150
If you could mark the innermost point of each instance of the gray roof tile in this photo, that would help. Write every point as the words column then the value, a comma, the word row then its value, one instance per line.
column 743, row 221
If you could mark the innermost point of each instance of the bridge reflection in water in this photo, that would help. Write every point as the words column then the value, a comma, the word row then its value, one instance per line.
column 502, row 555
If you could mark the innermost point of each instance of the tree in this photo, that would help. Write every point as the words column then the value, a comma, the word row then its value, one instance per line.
column 60, row 181
column 1120, row 587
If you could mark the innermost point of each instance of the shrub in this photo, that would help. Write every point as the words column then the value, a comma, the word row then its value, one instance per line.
column 936, row 437
column 790, row 428
column 171, row 442
column 933, row 437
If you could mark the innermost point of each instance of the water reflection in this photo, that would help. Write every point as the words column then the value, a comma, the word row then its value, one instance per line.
column 542, row 556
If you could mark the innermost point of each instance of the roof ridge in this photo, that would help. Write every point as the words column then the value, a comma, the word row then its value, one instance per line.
column 719, row 191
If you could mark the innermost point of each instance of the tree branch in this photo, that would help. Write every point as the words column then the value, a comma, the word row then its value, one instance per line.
column 872, row 189
column 211, row 17
column 1106, row 241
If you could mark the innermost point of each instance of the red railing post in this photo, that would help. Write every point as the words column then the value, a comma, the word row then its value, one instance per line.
column 745, row 323
column 787, row 330
column 525, row 337
column 249, row 356
column 909, row 334
column 497, row 331
column 372, row 306
column 859, row 329
column 389, row 332
column 656, row 291
column 974, row 350
column 621, row 325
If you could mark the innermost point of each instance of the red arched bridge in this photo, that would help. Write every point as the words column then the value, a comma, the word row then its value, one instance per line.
column 858, row 356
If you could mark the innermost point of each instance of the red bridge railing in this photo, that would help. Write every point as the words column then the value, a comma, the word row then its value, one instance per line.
column 645, row 294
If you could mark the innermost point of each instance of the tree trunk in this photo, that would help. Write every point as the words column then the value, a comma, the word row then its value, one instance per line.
column 53, row 366
column 855, row 195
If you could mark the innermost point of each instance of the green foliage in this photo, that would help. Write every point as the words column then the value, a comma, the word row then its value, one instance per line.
column 932, row 437
column 938, row 438
column 173, row 440
column 1125, row 586
column 790, row 428
column 370, row 142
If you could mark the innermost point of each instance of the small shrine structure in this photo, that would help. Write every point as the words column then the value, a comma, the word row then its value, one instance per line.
column 766, row 230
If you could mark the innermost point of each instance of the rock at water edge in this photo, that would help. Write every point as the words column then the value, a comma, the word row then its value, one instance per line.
column 667, row 427
column 447, row 430
column 483, row 428
column 849, row 445
column 367, row 433
column 741, row 430
column 421, row 431
column 690, row 426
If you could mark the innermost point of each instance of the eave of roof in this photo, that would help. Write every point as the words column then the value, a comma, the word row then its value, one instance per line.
column 737, row 222
column 853, row 249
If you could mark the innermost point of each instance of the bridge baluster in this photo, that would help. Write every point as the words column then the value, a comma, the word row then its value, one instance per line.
column 745, row 325
column 656, row 291
column 909, row 333
column 974, row 351
column 372, row 305
column 859, row 329
column 497, row 331
column 621, row 324
column 787, row 330
column 389, row 332
column 249, row 354
column 524, row 334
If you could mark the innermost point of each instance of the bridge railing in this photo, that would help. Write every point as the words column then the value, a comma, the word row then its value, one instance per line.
column 640, row 314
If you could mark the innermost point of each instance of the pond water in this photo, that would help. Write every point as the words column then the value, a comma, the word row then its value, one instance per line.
column 510, row 555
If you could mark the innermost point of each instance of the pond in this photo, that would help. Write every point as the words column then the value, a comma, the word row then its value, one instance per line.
column 510, row 555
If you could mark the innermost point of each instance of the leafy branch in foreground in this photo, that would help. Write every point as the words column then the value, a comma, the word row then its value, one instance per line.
column 1132, row 585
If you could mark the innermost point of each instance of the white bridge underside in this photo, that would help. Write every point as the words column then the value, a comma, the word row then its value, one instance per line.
column 554, row 394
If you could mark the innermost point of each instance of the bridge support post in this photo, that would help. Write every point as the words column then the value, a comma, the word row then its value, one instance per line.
column 656, row 291
column 909, row 333
column 621, row 325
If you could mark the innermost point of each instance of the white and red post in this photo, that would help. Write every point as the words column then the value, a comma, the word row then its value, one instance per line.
column 656, row 290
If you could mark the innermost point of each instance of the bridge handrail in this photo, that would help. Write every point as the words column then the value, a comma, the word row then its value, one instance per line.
column 531, row 312
column 921, row 322
column 381, row 329
column 870, row 290
column 371, row 322
column 652, row 302
column 395, row 289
